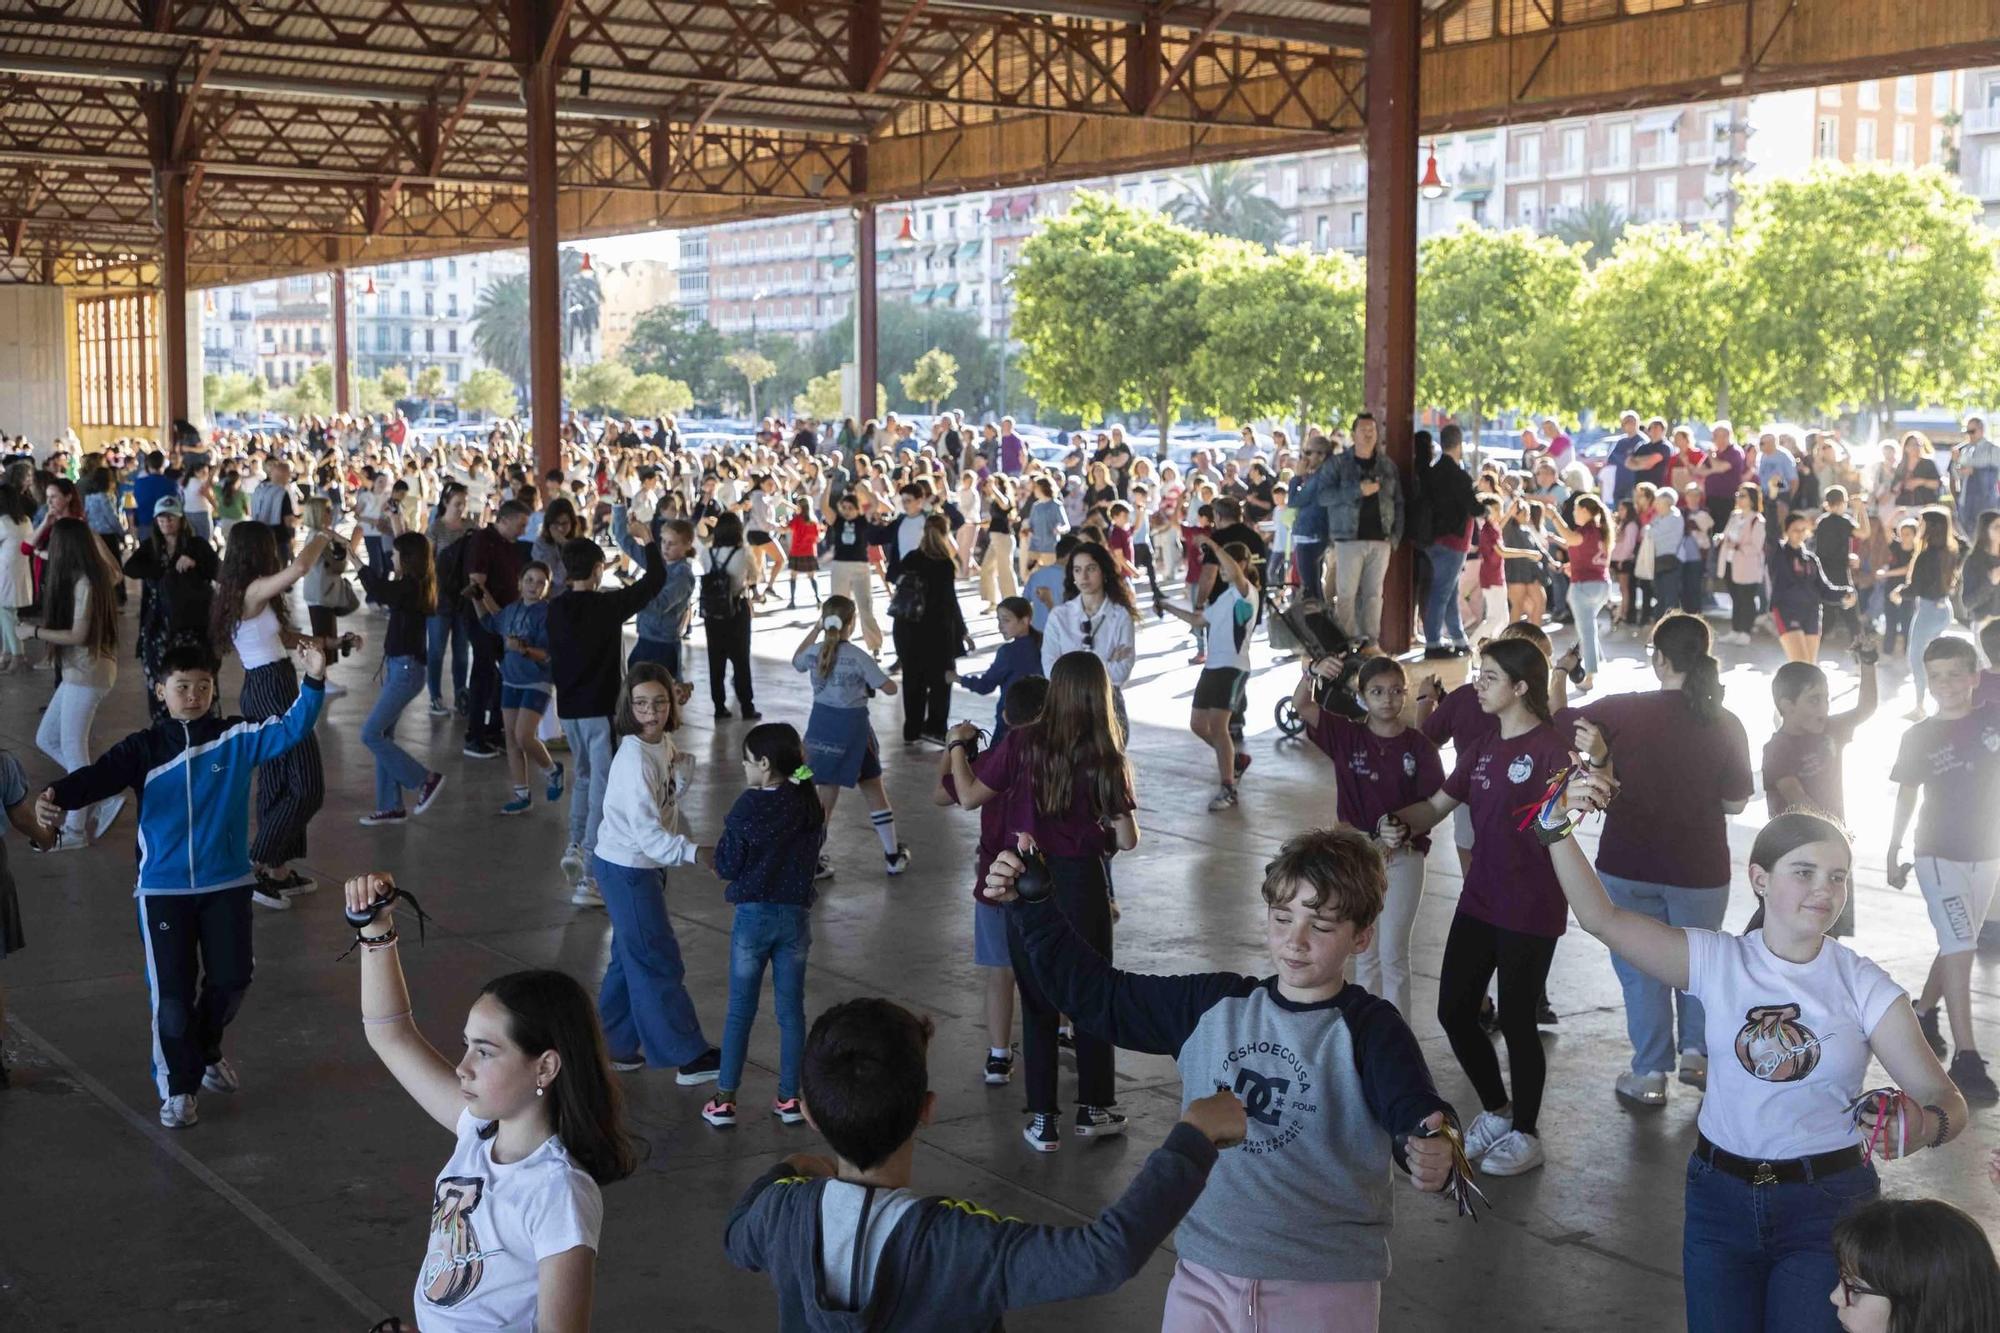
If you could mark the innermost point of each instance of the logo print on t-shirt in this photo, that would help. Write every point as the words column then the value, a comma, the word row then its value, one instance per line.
column 1774, row 1046
column 1521, row 769
column 1279, row 1102
column 1409, row 764
column 454, row 1263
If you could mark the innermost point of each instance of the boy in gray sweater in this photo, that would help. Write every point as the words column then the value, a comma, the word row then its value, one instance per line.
column 850, row 1246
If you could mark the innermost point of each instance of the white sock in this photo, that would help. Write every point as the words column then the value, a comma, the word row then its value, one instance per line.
column 521, row 792
column 885, row 829
column 997, row 1052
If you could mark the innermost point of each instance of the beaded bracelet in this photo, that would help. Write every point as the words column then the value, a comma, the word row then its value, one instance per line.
column 1944, row 1125
column 373, row 942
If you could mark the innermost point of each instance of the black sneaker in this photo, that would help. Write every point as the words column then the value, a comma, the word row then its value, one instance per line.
column 999, row 1068
column 479, row 750
column 1438, row 653
column 268, row 892
column 1489, row 1018
column 1969, row 1072
column 1043, row 1133
column 899, row 862
column 1066, row 1038
column 752, row 715
column 1095, row 1122
column 1545, row 1013
column 723, row 715
column 704, row 1068
column 1928, row 1021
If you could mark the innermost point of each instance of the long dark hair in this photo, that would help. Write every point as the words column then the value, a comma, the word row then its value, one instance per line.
column 1524, row 663
column 76, row 555
column 778, row 744
column 251, row 554
column 727, row 531
column 548, row 1011
column 1115, row 590
column 1684, row 641
column 1077, row 739
column 418, row 567
column 1931, row 1260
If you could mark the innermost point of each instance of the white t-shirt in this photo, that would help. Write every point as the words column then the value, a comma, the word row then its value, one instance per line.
column 1787, row 1042
column 1229, row 617
column 492, row 1225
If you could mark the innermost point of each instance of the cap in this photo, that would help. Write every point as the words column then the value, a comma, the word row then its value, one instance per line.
column 169, row 506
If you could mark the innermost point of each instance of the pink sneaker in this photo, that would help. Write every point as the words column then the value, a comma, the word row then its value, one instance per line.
column 428, row 792
column 719, row 1113
column 789, row 1111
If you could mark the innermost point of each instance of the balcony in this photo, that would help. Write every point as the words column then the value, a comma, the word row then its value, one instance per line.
column 1982, row 120
column 1988, row 188
column 1525, row 169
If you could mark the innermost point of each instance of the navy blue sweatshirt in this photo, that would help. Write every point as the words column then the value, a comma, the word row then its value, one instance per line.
column 1331, row 1091
column 769, row 847
column 586, row 640
column 1017, row 658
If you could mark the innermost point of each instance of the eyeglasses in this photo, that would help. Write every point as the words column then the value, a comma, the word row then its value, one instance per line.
column 1852, row 1287
column 645, row 705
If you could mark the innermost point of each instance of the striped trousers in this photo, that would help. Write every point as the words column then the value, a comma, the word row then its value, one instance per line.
column 291, row 787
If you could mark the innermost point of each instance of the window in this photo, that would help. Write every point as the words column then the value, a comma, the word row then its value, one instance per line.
column 451, row 372
column 1827, row 142
column 403, row 303
column 1357, row 228
column 404, row 340
column 1618, row 195
column 1864, row 141
column 1868, row 95
column 1320, row 229
column 1572, row 150
column 318, row 346
column 1666, row 197
column 1528, row 206
column 115, row 355
column 1906, row 93
column 1940, row 94
column 430, row 270
column 1906, row 142
column 430, row 340
column 451, row 268
column 381, row 337
column 1572, row 198
column 430, row 304
column 1618, row 145
column 1527, row 163
column 451, row 340
column 269, row 335
column 451, row 305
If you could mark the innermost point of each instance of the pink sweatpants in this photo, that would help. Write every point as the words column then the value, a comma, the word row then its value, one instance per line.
column 1201, row 1300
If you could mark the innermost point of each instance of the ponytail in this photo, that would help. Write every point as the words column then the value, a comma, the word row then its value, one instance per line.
column 833, row 608
column 1684, row 641
column 778, row 744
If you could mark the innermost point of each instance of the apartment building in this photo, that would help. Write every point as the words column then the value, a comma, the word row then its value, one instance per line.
column 419, row 313
column 1979, row 139
column 628, row 290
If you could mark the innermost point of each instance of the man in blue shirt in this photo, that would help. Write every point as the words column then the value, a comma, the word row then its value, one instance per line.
column 149, row 488
column 1628, row 439
column 1777, row 476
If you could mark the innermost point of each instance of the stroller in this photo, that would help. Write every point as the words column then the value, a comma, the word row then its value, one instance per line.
column 1312, row 629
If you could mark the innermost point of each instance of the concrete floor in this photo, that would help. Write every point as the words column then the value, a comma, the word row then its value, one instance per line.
column 301, row 1204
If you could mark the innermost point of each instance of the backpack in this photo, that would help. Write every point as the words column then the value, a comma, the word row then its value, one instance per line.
column 450, row 574
column 908, row 601
column 718, row 599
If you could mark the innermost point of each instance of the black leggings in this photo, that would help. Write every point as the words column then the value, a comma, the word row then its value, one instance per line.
column 729, row 646
column 1472, row 953
column 1081, row 885
column 1743, row 598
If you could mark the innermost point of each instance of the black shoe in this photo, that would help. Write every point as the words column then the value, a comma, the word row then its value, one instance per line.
column 751, row 714
column 1489, row 1018
column 1928, row 1021
column 1094, row 1122
column 1969, row 1072
column 999, row 1068
column 1461, row 650
column 1438, row 654
column 895, row 666
column 704, row 1068
column 479, row 750
column 723, row 714
column 1043, row 1132
column 1545, row 1013
column 937, row 738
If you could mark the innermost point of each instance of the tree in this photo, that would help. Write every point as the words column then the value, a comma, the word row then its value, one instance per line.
column 656, row 396
column 395, row 383
column 1283, row 335
column 430, row 384
column 1228, row 199
column 754, row 367
column 821, row 399
column 500, row 326
column 1492, row 310
column 601, row 386
column 672, row 341
column 232, row 394
column 1596, row 227
column 905, row 332
column 487, row 392
column 369, row 399
column 310, row 395
column 1866, row 287
column 1655, row 325
column 1106, row 310
column 934, row 377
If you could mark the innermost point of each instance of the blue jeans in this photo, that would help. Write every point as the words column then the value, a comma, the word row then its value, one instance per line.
column 667, row 652
column 1585, row 601
column 779, row 935
column 402, row 681
column 1930, row 618
column 438, row 630
column 1759, row 1258
column 1441, row 619
column 644, row 1001
column 1649, row 1012
column 590, row 751
column 1310, row 557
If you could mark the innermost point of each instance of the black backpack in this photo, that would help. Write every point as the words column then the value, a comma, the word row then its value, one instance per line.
column 718, row 599
column 908, row 602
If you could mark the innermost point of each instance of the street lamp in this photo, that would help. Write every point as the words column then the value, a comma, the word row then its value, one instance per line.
column 1432, row 185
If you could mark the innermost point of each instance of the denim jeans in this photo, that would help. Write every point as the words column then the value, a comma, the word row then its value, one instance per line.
column 1585, row 601
column 590, row 751
column 1759, row 1258
column 1358, row 570
column 1310, row 557
column 667, row 652
column 438, row 630
column 1931, row 618
column 644, row 1000
column 1649, row 1012
column 1442, row 626
column 777, row 934
column 402, row 681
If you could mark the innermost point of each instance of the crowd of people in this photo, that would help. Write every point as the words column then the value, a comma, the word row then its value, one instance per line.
column 502, row 593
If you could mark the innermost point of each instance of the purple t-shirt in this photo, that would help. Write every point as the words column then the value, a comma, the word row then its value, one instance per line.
column 1957, row 763
column 1504, row 782
column 1076, row 834
column 1987, row 691
column 1011, row 451
column 1722, row 485
column 1374, row 776
column 1668, row 825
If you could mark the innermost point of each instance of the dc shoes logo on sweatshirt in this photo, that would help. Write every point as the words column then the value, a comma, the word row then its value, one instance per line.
column 1277, row 1089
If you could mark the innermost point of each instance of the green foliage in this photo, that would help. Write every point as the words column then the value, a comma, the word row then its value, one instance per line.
column 487, row 392
column 1228, row 199
column 1866, row 287
column 754, row 367
column 934, row 377
column 430, row 383
column 1107, row 313
column 1596, row 227
column 368, row 396
column 821, row 398
column 903, row 333
column 672, row 341
column 232, row 394
column 1656, row 327
column 395, row 383
column 1492, row 317
column 310, row 395
column 1284, row 334
column 500, row 326
column 656, row 396
column 601, row 386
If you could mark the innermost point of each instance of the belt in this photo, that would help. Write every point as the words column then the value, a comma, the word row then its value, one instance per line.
column 1788, row 1170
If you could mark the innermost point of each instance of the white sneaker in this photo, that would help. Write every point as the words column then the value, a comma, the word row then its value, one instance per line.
column 586, row 895
column 1486, row 1130
column 1515, row 1155
column 106, row 815
column 178, row 1112
column 221, row 1077
column 70, row 840
column 1694, row 1069
column 572, row 864
column 1649, row 1090
column 899, row 862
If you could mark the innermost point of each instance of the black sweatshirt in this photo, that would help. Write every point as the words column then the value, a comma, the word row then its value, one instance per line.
column 407, row 614
column 585, row 642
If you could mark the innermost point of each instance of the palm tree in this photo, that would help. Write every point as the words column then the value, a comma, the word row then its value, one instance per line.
column 1597, row 226
column 500, row 326
column 1228, row 200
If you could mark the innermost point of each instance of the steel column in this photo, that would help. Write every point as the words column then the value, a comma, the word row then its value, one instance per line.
column 539, row 80
column 864, row 313
column 341, row 367
column 173, row 296
column 1390, row 368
